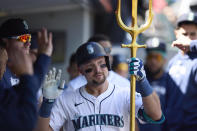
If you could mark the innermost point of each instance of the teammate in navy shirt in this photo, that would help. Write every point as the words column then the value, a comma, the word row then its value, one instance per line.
column 39, row 56
column 183, row 70
column 18, row 108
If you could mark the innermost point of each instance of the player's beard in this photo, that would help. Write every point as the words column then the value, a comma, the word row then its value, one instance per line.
column 99, row 82
column 152, row 73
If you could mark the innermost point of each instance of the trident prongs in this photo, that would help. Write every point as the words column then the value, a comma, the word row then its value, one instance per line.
column 119, row 19
column 134, row 30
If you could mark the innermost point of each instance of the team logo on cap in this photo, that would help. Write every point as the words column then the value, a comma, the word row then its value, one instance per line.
column 25, row 24
column 90, row 49
column 191, row 16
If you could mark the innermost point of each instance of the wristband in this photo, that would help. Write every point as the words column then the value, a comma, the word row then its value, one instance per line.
column 144, row 88
column 144, row 117
column 46, row 107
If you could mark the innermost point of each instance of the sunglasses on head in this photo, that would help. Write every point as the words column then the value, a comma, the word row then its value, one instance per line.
column 22, row 38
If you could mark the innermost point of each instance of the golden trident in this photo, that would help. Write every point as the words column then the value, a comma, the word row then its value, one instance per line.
column 134, row 31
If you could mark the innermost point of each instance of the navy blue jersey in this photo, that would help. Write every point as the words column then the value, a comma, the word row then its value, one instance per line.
column 193, row 46
column 9, row 79
column 183, row 70
column 18, row 108
column 167, row 92
column 41, row 67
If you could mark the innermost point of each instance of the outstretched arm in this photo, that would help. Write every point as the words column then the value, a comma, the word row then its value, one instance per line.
column 52, row 88
column 151, row 102
column 185, row 44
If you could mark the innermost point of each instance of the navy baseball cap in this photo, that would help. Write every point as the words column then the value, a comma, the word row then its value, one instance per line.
column 156, row 45
column 14, row 27
column 188, row 18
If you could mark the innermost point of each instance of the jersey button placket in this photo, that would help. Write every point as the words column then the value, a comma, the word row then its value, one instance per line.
column 96, row 106
column 97, row 112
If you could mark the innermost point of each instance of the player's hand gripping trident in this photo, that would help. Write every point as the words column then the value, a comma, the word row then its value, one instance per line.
column 136, row 68
column 134, row 30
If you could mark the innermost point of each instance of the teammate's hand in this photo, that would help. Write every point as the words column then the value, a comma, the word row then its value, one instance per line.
column 45, row 45
column 19, row 62
column 183, row 43
column 53, row 86
column 136, row 68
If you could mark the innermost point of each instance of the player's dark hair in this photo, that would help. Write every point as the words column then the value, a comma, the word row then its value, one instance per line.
column 98, row 38
column 73, row 59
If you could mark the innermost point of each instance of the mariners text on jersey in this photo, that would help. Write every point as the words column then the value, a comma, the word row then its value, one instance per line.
column 98, row 119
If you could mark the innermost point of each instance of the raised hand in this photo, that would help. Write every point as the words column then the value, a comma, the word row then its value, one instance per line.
column 53, row 86
column 136, row 68
column 45, row 45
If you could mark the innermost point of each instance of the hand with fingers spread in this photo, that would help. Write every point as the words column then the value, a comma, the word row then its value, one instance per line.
column 136, row 68
column 45, row 45
column 53, row 86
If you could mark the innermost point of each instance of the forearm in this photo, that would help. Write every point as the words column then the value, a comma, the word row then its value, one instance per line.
column 41, row 67
column 43, row 124
column 44, row 116
column 150, row 99
column 152, row 106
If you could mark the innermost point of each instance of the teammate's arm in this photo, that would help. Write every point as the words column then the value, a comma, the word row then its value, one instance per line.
column 52, row 88
column 43, row 124
column 185, row 44
column 151, row 102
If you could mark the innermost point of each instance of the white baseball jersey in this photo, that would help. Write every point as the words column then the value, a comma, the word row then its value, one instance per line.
column 78, row 110
column 112, row 78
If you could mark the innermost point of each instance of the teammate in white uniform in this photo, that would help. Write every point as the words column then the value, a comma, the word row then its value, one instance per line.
column 99, row 105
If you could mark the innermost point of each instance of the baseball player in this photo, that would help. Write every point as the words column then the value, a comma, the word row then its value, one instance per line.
column 182, row 68
column 18, row 109
column 99, row 105
column 17, row 29
column 112, row 77
column 161, row 82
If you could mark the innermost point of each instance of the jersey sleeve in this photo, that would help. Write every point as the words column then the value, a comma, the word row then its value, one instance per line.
column 144, row 118
column 138, row 102
column 58, row 116
column 41, row 67
column 193, row 46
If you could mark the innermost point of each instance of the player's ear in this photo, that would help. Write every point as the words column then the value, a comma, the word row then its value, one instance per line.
column 80, row 70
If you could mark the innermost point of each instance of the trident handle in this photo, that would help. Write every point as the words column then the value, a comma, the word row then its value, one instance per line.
column 134, row 31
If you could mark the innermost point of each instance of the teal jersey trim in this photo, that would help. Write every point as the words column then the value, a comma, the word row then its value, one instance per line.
column 144, row 117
